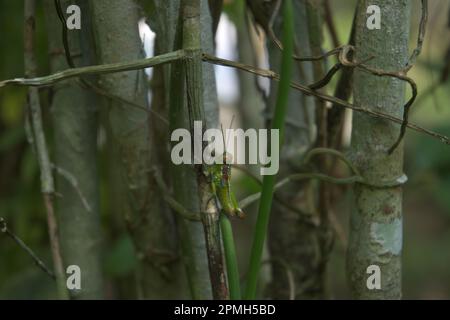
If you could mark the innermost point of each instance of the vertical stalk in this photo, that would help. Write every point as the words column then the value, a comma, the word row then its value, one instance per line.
column 291, row 240
column 324, row 233
column 230, row 258
column 186, row 192
column 74, row 111
column 269, row 180
column 163, row 18
column 336, row 114
column 376, row 219
column 35, row 114
column 151, row 227
column 191, row 14
column 251, row 98
column 251, row 110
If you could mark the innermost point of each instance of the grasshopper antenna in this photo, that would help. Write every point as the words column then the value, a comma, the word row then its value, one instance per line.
column 225, row 142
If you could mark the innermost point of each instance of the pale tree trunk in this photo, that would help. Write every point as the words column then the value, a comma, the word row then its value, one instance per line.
column 151, row 227
column 74, row 111
column 376, row 221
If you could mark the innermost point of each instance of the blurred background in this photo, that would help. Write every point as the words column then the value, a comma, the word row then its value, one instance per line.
column 426, row 250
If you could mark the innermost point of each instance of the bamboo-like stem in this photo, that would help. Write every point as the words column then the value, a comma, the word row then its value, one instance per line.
column 100, row 69
column 55, row 246
column 184, row 182
column 230, row 257
column 325, row 237
column 47, row 182
column 159, row 273
column 269, row 180
column 191, row 12
column 376, row 218
column 75, row 122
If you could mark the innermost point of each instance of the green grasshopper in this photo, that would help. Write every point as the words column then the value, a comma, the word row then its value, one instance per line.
column 220, row 177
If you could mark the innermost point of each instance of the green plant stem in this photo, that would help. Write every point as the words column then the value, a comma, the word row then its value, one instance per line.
column 269, row 180
column 230, row 257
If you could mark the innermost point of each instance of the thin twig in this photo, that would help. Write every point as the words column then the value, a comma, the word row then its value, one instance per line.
column 330, row 23
column 180, row 54
column 174, row 204
column 65, row 37
column 272, row 36
column 345, row 62
column 4, row 229
column 344, row 52
column 289, row 274
column 327, row 54
column 398, row 181
column 327, row 78
column 74, row 183
column 337, row 154
column 401, row 75
column 276, row 196
column 409, row 65
column 100, row 91
column 446, row 69
column 354, row 178
column 47, row 182
column 99, row 69
column 308, row 91
column 420, row 37
column 85, row 83
column 343, row 90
